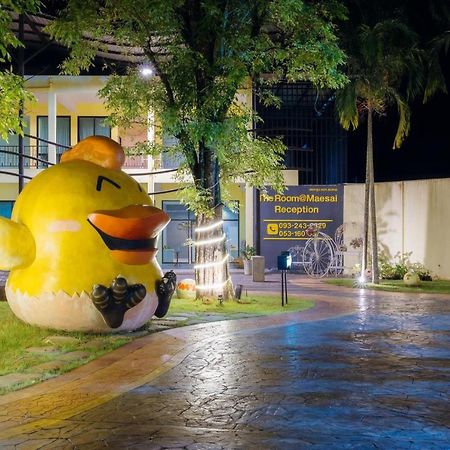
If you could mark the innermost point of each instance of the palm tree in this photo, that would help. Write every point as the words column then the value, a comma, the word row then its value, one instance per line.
column 384, row 69
column 438, row 46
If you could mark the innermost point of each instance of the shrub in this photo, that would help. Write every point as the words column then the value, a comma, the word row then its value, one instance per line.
column 422, row 271
column 396, row 270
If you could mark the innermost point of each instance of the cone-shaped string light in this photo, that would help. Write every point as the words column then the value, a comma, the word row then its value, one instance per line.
column 202, row 242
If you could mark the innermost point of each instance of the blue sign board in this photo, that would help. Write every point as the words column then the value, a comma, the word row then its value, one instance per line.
column 284, row 219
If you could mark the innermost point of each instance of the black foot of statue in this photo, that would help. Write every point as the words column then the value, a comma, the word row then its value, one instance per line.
column 115, row 301
column 164, row 291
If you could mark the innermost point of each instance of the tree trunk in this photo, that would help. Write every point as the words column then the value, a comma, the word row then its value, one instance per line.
column 373, row 215
column 212, row 274
column 365, row 249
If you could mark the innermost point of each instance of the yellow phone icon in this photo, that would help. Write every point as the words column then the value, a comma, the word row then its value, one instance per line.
column 272, row 228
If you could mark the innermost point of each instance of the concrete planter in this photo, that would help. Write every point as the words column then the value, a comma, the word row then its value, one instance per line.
column 247, row 267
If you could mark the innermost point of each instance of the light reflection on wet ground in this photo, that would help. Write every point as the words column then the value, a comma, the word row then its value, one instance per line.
column 379, row 378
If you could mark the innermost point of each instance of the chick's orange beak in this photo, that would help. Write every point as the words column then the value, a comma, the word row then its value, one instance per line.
column 130, row 233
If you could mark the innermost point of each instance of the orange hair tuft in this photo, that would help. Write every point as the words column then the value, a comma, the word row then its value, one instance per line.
column 99, row 150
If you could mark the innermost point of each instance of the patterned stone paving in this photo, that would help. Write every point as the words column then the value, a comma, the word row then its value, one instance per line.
column 367, row 372
column 3, row 277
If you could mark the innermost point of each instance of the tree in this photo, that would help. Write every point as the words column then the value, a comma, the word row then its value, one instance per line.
column 385, row 68
column 12, row 91
column 202, row 52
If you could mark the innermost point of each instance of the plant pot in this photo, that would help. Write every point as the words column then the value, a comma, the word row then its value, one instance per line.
column 247, row 267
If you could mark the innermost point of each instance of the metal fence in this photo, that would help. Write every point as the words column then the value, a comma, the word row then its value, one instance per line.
column 307, row 124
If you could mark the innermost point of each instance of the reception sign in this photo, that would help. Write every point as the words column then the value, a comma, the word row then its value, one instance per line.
column 285, row 218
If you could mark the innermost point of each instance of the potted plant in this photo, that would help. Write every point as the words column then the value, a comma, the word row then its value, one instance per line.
column 247, row 252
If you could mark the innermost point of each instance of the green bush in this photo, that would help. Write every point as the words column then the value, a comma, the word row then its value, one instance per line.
column 396, row 270
column 422, row 271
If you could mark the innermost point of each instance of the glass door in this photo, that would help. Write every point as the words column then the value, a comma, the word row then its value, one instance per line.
column 180, row 231
column 176, row 236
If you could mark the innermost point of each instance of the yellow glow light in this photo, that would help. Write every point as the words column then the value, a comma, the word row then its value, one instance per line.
column 203, row 287
column 209, row 227
column 210, row 241
column 212, row 264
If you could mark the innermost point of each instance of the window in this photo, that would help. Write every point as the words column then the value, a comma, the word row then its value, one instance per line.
column 62, row 135
column 181, row 228
column 12, row 145
column 170, row 161
column 6, row 208
column 92, row 126
column 176, row 234
column 231, row 229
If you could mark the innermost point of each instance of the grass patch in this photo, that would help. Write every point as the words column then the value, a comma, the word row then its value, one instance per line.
column 16, row 336
column 426, row 287
column 260, row 305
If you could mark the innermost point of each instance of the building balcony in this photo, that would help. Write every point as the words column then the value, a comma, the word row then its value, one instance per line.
column 136, row 162
column 9, row 156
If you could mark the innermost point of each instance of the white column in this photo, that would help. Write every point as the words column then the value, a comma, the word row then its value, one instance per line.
column 52, row 126
column 249, row 227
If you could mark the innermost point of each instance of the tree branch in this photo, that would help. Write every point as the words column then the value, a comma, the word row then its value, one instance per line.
column 150, row 54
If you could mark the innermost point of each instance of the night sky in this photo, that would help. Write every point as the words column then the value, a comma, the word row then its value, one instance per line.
column 424, row 154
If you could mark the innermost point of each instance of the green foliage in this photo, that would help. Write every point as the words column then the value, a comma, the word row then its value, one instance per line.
column 12, row 96
column 202, row 53
column 396, row 270
column 7, row 38
column 247, row 251
column 431, row 287
column 440, row 45
column 392, row 271
column 381, row 60
column 12, row 91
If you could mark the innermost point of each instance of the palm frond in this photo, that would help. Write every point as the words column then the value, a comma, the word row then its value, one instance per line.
column 435, row 77
column 404, row 121
column 346, row 99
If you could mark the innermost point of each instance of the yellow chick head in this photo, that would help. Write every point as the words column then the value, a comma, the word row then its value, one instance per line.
column 76, row 225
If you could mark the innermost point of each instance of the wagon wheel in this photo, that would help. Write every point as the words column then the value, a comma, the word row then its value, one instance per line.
column 337, row 264
column 338, row 248
column 296, row 253
column 318, row 255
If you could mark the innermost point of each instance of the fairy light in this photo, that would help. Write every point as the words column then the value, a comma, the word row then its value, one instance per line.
column 360, row 282
column 212, row 264
column 210, row 241
column 209, row 227
column 203, row 242
column 146, row 71
column 203, row 287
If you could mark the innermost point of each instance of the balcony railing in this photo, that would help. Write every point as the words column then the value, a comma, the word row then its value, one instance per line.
column 12, row 160
column 131, row 162
column 136, row 162
column 165, row 161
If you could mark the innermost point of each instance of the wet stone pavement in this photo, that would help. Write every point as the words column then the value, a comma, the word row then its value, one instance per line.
column 378, row 378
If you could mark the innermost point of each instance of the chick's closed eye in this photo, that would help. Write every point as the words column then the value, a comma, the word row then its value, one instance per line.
column 101, row 179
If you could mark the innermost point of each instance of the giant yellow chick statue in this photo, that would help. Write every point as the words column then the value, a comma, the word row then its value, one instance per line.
column 81, row 245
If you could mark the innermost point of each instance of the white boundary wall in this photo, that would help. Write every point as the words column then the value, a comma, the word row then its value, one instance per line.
column 412, row 217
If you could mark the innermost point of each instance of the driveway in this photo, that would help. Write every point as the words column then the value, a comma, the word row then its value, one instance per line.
column 362, row 370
